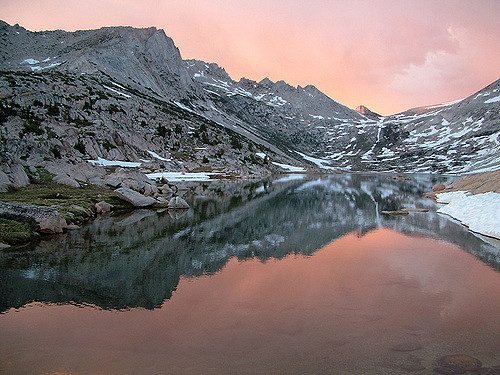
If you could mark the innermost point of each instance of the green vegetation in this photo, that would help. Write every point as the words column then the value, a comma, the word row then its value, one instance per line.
column 107, row 145
column 55, row 151
column 14, row 232
column 162, row 131
column 53, row 110
column 236, row 143
column 32, row 125
column 80, row 147
column 75, row 205
column 113, row 108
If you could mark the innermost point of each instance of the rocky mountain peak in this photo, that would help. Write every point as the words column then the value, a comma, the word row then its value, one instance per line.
column 367, row 112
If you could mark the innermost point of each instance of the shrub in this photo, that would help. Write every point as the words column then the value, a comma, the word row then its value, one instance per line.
column 236, row 143
column 32, row 125
column 163, row 131
column 55, row 151
column 53, row 110
column 107, row 145
column 79, row 146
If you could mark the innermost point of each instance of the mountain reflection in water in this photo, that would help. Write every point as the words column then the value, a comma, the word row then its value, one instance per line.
column 137, row 260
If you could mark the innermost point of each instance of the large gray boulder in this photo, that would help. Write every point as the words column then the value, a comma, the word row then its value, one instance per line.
column 178, row 203
column 135, row 198
column 132, row 179
column 65, row 180
column 45, row 219
column 12, row 174
column 103, row 207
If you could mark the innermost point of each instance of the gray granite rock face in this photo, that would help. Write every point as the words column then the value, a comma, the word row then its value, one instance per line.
column 132, row 179
column 135, row 198
column 127, row 91
column 178, row 203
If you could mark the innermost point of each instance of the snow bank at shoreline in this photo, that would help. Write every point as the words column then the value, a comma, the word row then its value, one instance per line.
column 480, row 212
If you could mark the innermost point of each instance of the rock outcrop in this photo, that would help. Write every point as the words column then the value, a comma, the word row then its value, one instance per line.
column 134, row 198
column 12, row 175
column 132, row 179
column 178, row 203
column 44, row 219
column 103, row 207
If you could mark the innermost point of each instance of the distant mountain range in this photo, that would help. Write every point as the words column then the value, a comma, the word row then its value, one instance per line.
column 121, row 93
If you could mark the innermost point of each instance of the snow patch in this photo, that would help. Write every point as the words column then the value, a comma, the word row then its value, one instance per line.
column 29, row 61
column 181, row 176
column 156, row 156
column 118, row 92
column 451, row 196
column 493, row 100
column 114, row 163
column 481, row 212
column 290, row 168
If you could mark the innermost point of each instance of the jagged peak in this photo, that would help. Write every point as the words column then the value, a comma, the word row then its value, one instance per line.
column 266, row 81
column 367, row 112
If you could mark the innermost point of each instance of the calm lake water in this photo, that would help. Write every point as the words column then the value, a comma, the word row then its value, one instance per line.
column 300, row 275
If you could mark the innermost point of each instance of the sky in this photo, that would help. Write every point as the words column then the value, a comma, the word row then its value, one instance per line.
column 389, row 55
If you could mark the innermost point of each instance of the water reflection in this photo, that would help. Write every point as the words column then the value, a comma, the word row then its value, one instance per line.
column 137, row 260
column 380, row 303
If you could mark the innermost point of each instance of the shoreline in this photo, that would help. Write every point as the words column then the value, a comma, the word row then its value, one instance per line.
column 474, row 201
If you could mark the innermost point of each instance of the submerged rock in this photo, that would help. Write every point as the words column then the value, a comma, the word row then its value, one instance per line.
column 406, row 347
column 457, row 364
column 135, row 198
column 396, row 213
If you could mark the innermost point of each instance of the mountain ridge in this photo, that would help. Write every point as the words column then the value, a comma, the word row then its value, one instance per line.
column 122, row 92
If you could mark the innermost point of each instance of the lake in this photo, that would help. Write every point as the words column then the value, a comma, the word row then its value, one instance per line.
column 296, row 275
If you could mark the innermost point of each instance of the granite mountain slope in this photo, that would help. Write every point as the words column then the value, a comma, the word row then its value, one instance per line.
column 121, row 93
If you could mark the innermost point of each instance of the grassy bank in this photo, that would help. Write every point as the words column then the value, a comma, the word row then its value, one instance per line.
column 76, row 205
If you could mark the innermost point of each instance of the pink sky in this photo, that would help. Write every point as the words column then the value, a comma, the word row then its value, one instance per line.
column 389, row 55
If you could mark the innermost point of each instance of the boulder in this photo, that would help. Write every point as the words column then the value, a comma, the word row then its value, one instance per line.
column 132, row 179
column 12, row 175
column 103, row 207
column 457, row 364
column 166, row 191
column 45, row 219
column 178, row 203
column 65, row 180
column 438, row 187
column 133, row 197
